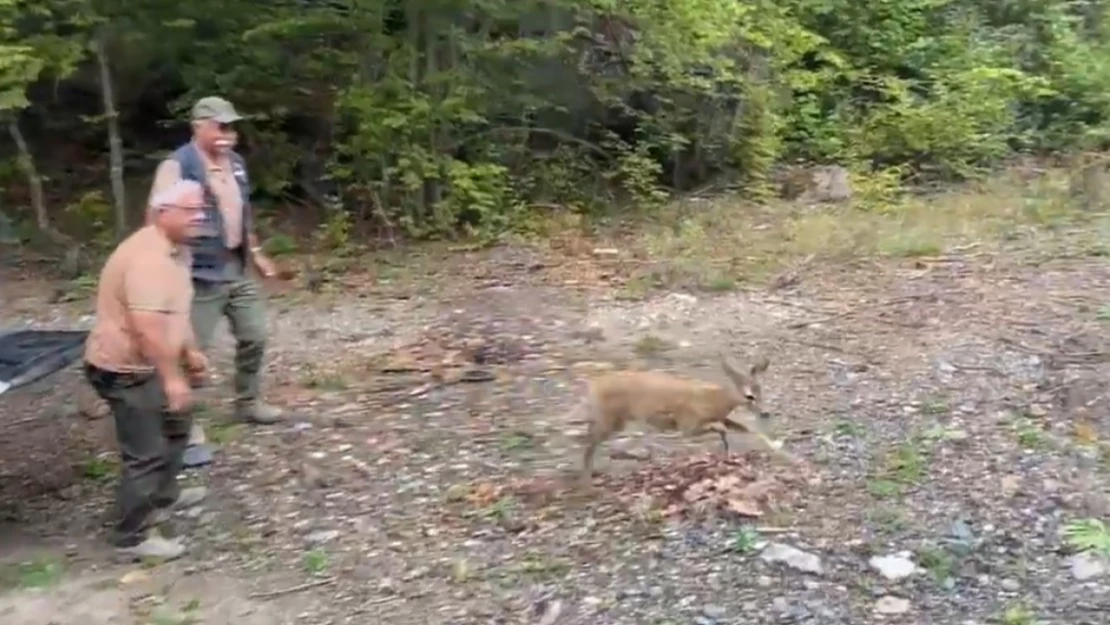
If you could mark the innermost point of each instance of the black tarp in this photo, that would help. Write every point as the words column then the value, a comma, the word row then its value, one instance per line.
column 30, row 355
column 27, row 356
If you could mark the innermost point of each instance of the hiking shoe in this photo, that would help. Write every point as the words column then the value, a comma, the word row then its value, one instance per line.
column 196, row 434
column 258, row 413
column 160, row 516
column 155, row 547
column 188, row 498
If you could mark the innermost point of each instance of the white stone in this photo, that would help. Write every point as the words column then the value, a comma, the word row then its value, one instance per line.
column 893, row 568
column 892, row 605
column 792, row 557
column 1086, row 565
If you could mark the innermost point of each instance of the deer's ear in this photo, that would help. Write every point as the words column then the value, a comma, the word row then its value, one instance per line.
column 760, row 365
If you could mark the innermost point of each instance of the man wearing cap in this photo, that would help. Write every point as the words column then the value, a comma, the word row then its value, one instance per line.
column 223, row 253
column 141, row 358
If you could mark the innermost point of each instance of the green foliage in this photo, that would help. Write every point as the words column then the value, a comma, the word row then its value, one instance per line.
column 1089, row 535
column 92, row 215
column 35, row 39
column 280, row 245
column 445, row 117
column 334, row 234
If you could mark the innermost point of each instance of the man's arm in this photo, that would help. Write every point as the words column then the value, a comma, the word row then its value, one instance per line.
column 168, row 173
column 261, row 262
column 196, row 363
column 153, row 331
column 189, row 344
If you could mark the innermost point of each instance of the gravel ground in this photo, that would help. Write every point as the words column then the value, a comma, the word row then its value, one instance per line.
column 946, row 413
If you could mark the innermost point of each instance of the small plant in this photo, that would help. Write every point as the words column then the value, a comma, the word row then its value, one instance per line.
column 890, row 520
column 940, row 433
column 935, row 406
column 501, row 509
column 223, row 432
column 541, row 567
column 164, row 616
column 651, row 345
column 940, row 563
column 744, row 540
column 188, row 615
column 280, row 245
column 884, row 489
column 849, row 428
column 95, row 215
column 638, row 288
column 1016, row 614
column 99, row 468
column 719, row 284
column 913, row 244
column 907, row 464
column 334, row 234
column 324, row 381
column 517, row 441
column 82, row 286
column 1089, row 535
column 1029, row 435
column 37, row 573
column 315, row 562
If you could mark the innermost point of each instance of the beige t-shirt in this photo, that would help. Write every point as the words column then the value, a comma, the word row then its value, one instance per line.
column 221, row 179
column 145, row 273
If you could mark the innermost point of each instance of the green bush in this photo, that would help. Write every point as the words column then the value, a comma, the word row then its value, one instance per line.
column 458, row 116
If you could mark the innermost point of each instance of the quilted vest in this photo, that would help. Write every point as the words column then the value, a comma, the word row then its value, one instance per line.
column 209, row 248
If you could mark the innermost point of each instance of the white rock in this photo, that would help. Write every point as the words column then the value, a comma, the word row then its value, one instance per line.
column 893, row 568
column 793, row 558
column 1086, row 565
column 323, row 536
column 891, row 605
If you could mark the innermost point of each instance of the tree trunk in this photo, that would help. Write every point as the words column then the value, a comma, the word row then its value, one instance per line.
column 34, row 181
column 72, row 264
column 115, row 143
column 433, row 189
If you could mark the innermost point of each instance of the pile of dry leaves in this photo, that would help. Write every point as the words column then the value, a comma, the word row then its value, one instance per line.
column 449, row 356
column 745, row 486
column 741, row 486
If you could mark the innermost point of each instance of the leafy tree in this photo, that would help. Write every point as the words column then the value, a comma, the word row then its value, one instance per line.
column 428, row 118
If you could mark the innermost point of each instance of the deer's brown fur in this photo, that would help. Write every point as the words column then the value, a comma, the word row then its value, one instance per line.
column 670, row 402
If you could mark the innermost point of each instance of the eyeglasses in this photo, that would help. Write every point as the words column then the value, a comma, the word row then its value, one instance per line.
column 185, row 207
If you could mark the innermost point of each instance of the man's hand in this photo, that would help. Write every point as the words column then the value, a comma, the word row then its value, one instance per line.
column 179, row 396
column 264, row 265
column 196, row 365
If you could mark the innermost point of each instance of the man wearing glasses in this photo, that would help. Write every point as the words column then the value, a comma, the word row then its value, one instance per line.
column 224, row 251
column 141, row 358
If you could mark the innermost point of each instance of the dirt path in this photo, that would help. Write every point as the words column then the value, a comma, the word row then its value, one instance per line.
column 949, row 412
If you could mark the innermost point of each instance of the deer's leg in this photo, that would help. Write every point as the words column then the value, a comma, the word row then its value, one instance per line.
column 766, row 442
column 718, row 429
column 596, row 432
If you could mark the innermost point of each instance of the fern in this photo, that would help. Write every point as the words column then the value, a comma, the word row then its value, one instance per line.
column 1089, row 535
